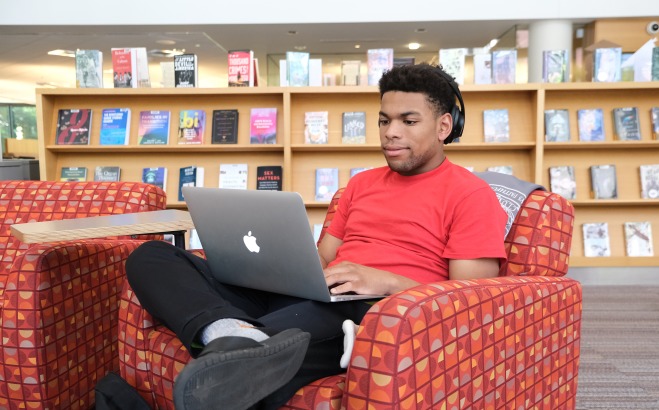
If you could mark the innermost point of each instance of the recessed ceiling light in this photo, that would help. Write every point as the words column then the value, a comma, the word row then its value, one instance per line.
column 62, row 53
column 414, row 46
column 300, row 48
column 357, row 46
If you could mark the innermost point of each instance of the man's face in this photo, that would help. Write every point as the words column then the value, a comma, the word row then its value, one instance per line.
column 411, row 134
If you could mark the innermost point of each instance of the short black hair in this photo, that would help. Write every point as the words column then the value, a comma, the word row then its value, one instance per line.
column 420, row 78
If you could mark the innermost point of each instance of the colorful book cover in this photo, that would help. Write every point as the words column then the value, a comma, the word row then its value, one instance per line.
column 562, row 181
column 107, row 173
column 327, row 183
column 153, row 128
column 263, row 126
column 185, row 71
column 496, row 125
column 554, row 66
column 638, row 239
column 115, row 126
column 73, row 174
column 626, row 124
column 224, row 127
column 315, row 127
column 124, row 67
column 483, row 68
column 89, row 69
column 591, row 124
column 73, row 126
column 604, row 182
column 378, row 60
column 155, row 176
column 233, row 176
column 354, row 127
column 453, row 62
column 189, row 176
column 297, row 67
column 607, row 64
column 504, row 65
column 240, row 67
column 192, row 124
column 350, row 72
column 649, row 181
column 557, row 125
column 596, row 239
column 269, row 178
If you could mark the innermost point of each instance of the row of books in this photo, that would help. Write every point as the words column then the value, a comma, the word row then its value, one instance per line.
column 604, row 181
column 590, row 124
column 638, row 239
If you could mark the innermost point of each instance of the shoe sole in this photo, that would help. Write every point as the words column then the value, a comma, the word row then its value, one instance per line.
column 240, row 378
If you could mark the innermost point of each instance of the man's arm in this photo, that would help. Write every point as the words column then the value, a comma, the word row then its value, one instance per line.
column 473, row 268
column 327, row 249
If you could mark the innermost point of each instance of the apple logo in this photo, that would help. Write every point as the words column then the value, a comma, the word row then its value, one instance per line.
column 250, row 242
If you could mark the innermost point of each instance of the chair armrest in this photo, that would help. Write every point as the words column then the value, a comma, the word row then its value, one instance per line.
column 506, row 342
column 59, row 315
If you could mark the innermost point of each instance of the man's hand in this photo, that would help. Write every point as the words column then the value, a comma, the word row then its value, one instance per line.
column 347, row 277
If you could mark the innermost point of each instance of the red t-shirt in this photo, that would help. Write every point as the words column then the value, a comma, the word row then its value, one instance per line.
column 412, row 225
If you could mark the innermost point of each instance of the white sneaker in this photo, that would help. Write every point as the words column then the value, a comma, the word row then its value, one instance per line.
column 349, row 331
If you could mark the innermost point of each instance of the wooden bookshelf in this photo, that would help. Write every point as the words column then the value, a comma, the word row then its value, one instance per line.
column 527, row 152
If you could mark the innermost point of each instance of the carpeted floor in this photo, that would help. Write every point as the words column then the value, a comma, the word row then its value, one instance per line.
column 619, row 367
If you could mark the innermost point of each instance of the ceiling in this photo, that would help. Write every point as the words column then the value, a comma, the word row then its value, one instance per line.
column 25, row 64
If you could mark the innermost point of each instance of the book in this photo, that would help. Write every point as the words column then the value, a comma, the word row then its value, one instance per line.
column 327, row 183
column 654, row 70
column 350, row 72
column 240, row 67
column 224, row 127
column 496, row 126
column 654, row 111
column 142, row 78
column 502, row 169
column 638, row 239
column 269, row 178
column 315, row 72
column 192, row 124
column 124, row 67
column 185, row 71
column 378, row 60
column 649, row 181
column 315, row 127
column 399, row 61
column 483, row 68
column 554, row 66
column 504, row 64
column 167, row 72
column 115, row 126
column 354, row 127
column 233, row 176
column 263, row 126
column 155, row 176
column 562, row 181
column 107, row 173
column 590, row 123
column 596, row 239
column 604, row 182
column 297, row 68
column 73, row 174
column 626, row 124
column 153, row 128
column 191, row 175
column 607, row 64
column 89, row 69
column 557, row 125
column 453, row 62
column 73, row 126
column 355, row 171
column 256, row 71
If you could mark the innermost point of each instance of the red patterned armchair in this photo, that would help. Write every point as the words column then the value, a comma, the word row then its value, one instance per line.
column 59, row 301
column 511, row 342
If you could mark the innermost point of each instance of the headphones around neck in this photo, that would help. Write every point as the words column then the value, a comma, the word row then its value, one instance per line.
column 457, row 113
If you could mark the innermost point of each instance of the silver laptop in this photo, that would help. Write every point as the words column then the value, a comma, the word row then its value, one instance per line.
column 260, row 240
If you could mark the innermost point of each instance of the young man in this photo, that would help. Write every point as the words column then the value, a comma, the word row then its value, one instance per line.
column 421, row 219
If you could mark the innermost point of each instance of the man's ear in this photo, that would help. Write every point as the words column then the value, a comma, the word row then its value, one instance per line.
column 444, row 126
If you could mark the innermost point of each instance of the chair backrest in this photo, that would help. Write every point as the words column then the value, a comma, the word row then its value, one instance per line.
column 37, row 201
column 538, row 242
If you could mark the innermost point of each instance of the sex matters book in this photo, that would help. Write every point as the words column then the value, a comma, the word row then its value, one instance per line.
column 350, row 72
column 638, row 239
column 224, row 127
column 107, row 173
column 153, row 128
column 191, row 127
column 496, row 125
column 233, row 176
column 378, row 60
column 124, row 67
column 483, row 68
column 607, row 64
column 73, row 126
column 297, row 68
column 263, row 126
column 604, row 182
column 315, row 127
column 626, row 123
column 269, row 178
column 557, row 125
column 185, row 71
column 189, row 176
column 504, row 64
column 89, row 69
column 562, row 181
column 590, row 124
column 155, row 176
column 240, row 66
column 327, row 183
column 73, row 174
column 354, row 127
column 596, row 239
column 649, row 181
column 453, row 62
column 115, row 126
column 554, row 66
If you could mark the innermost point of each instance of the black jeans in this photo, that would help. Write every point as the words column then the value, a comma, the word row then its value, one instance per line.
column 177, row 288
